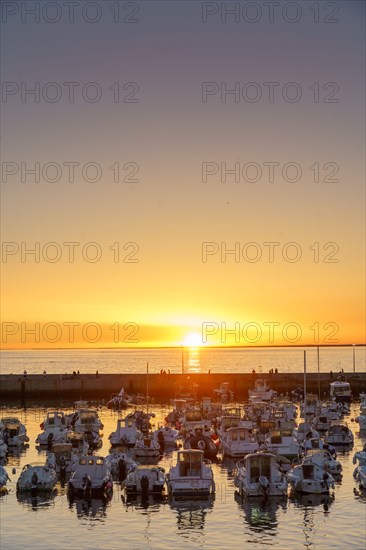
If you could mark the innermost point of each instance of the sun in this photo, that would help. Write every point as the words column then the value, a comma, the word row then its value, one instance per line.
column 193, row 340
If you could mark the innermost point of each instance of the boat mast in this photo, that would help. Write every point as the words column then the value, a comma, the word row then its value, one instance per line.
column 147, row 388
column 304, row 376
column 317, row 350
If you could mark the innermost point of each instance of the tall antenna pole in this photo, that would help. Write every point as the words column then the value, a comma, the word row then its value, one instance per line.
column 317, row 350
column 304, row 375
column 147, row 387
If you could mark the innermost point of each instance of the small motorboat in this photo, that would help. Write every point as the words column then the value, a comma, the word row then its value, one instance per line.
column 259, row 474
column 360, row 471
column 224, row 393
column 51, row 435
column 324, row 459
column 314, row 443
column 310, row 406
column 191, row 476
column 62, row 457
column 86, row 420
column 339, row 434
column 3, row 449
column 121, row 464
column 261, row 392
column 239, row 442
column 340, row 391
column 194, row 419
column 54, row 419
column 126, row 433
column 282, row 442
column 166, row 436
column 4, row 478
column 36, row 478
column 91, row 476
column 93, row 440
column 119, row 401
column 147, row 448
column 310, row 478
column 361, row 418
column 202, row 442
column 145, row 480
column 13, row 432
column 304, row 431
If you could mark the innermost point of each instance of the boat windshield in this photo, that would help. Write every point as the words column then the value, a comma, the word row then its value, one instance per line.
column 190, row 464
column 260, row 466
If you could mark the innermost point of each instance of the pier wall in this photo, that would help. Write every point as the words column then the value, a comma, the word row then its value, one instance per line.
column 161, row 387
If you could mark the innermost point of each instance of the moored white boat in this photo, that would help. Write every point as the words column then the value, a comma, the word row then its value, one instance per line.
column 13, row 432
column 224, row 393
column 361, row 418
column 4, row 478
column 126, row 433
column 310, row 478
column 62, row 457
column 36, row 478
column 340, row 391
column 145, row 480
column 360, row 471
column 3, row 449
column 167, row 436
column 191, row 475
column 339, row 434
column 304, row 431
column 91, row 476
column 87, row 420
column 146, row 447
column 261, row 391
column 282, row 442
column 259, row 474
column 51, row 435
column 324, row 459
column 121, row 464
column 239, row 442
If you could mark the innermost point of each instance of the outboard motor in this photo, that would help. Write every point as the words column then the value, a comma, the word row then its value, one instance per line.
column 122, row 469
column 325, row 479
column 161, row 441
column 264, row 483
column 87, row 487
column 34, row 482
column 62, row 466
column 145, row 486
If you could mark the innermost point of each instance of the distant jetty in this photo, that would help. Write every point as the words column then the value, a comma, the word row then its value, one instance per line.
column 19, row 389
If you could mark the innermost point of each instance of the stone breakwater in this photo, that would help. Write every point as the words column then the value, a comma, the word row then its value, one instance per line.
column 161, row 387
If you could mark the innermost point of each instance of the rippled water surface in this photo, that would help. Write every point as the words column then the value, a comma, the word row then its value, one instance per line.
column 226, row 522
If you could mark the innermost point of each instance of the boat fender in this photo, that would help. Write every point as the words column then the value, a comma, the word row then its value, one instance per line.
column 201, row 444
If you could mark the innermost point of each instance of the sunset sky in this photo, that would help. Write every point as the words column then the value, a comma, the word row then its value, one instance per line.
column 168, row 136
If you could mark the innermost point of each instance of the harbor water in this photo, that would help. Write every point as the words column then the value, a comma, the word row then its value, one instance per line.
column 308, row 522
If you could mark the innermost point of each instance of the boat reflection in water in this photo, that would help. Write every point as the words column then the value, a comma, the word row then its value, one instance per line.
column 38, row 501
column 312, row 501
column 15, row 454
column 191, row 514
column 260, row 513
column 143, row 502
column 93, row 508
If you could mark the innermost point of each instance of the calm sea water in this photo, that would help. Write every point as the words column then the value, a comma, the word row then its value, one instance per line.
column 194, row 359
column 227, row 522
